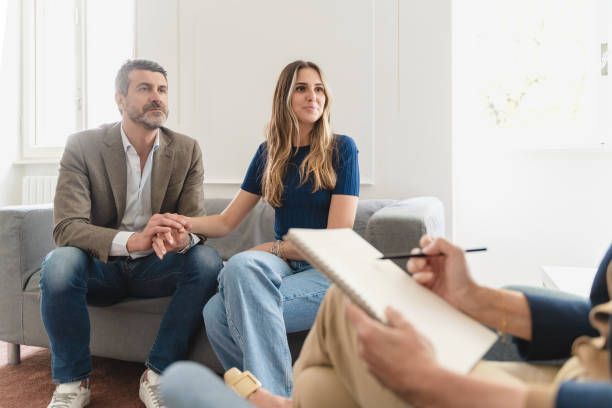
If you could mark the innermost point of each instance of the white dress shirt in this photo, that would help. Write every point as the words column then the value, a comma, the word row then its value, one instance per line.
column 137, row 200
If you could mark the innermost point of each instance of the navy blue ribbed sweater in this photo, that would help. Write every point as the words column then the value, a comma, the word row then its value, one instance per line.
column 301, row 207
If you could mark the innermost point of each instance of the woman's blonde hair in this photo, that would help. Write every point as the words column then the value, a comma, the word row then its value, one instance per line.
column 283, row 129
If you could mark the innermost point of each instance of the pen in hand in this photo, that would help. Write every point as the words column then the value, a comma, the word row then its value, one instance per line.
column 422, row 255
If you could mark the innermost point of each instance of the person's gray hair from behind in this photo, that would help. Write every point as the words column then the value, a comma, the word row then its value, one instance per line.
column 122, row 82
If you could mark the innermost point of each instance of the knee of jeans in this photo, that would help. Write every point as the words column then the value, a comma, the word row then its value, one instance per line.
column 183, row 379
column 205, row 261
column 62, row 269
column 247, row 266
column 175, row 373
column 214, row 314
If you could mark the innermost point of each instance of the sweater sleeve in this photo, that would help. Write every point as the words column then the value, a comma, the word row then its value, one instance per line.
column 599, row 290
column 254, row 175
column 347, row 167
column 584, row 394
column 556, row 323
column 570, row 394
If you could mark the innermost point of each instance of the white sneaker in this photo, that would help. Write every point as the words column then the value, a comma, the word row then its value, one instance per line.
column 71, row 395
column 149, row 390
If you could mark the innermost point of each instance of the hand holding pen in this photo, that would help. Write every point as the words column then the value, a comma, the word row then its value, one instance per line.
column 442, row 268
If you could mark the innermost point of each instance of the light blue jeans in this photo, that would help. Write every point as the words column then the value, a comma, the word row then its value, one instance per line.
column 190, row 385
column 261, row 298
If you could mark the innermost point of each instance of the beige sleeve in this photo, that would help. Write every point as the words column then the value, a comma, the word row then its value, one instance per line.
column 72, row 205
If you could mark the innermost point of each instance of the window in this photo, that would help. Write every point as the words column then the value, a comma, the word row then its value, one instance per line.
column 72, row 50
column 533, row 74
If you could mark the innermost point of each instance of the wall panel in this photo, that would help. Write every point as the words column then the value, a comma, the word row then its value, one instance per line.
column 228, row 55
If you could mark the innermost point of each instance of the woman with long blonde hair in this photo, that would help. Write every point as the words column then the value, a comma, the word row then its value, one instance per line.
column 311, row 177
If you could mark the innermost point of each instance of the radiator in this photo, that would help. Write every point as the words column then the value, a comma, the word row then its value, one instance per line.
column 38, row 189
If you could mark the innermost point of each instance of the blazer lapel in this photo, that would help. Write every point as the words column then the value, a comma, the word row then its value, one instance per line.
column 116, row 168
column 162, row 169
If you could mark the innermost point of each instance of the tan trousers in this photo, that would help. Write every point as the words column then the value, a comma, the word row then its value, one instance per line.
column 329, row 372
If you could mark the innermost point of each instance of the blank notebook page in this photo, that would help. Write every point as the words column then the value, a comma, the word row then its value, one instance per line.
column 354, row 265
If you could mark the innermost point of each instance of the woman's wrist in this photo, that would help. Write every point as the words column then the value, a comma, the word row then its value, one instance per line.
column 281, row 252
column 277, row 249
column 497, row 308
column 272, row 248
column 475, row 299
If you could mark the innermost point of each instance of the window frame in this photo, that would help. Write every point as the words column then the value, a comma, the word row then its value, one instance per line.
column 30, row 150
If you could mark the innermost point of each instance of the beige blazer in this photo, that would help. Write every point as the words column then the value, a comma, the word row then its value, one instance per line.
column 91, row 189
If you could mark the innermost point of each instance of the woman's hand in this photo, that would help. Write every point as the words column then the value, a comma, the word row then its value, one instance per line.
column 174, row 239
column 448, row 275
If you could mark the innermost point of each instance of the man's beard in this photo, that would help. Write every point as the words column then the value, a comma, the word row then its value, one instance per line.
column 151, row 123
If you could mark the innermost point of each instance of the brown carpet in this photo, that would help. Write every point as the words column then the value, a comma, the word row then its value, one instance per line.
column 114, row 383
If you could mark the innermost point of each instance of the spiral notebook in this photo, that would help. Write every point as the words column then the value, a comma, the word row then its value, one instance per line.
column 354, row 265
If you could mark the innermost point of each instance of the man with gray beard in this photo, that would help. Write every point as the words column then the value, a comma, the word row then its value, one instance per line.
column 119, row 185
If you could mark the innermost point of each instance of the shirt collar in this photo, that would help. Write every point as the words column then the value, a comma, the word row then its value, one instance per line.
column 127, row 144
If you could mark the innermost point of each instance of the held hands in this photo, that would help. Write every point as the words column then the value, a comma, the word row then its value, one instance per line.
column 158, row 224
column 447, row 276
column 172, row 226
column 397, row 355
column 174, row 240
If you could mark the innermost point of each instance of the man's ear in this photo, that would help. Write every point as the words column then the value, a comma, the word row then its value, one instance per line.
column 120, row 100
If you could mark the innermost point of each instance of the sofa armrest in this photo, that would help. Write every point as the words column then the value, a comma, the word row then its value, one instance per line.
column 397, row 228
column 26, row 236
column 258, row 227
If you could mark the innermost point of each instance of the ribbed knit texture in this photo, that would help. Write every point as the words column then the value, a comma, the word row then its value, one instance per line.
column 301, row 208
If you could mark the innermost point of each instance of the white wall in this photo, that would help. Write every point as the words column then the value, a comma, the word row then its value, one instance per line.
column 396, row 105
column 529, row 207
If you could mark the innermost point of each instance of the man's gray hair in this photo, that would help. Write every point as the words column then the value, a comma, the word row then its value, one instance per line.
column 122, row 82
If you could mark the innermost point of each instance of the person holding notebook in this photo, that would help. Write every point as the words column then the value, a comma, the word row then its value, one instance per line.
column 352, row 360
column 544, row 326
column 311, row 177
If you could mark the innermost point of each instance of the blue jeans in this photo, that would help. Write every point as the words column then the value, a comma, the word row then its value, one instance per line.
column 262, row 298
column 190, row 385
column 70, row 279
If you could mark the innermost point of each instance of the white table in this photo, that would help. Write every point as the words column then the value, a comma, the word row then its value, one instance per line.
column 570, row 279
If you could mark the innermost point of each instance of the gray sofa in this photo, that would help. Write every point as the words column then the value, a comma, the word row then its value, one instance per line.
column 126, row 330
